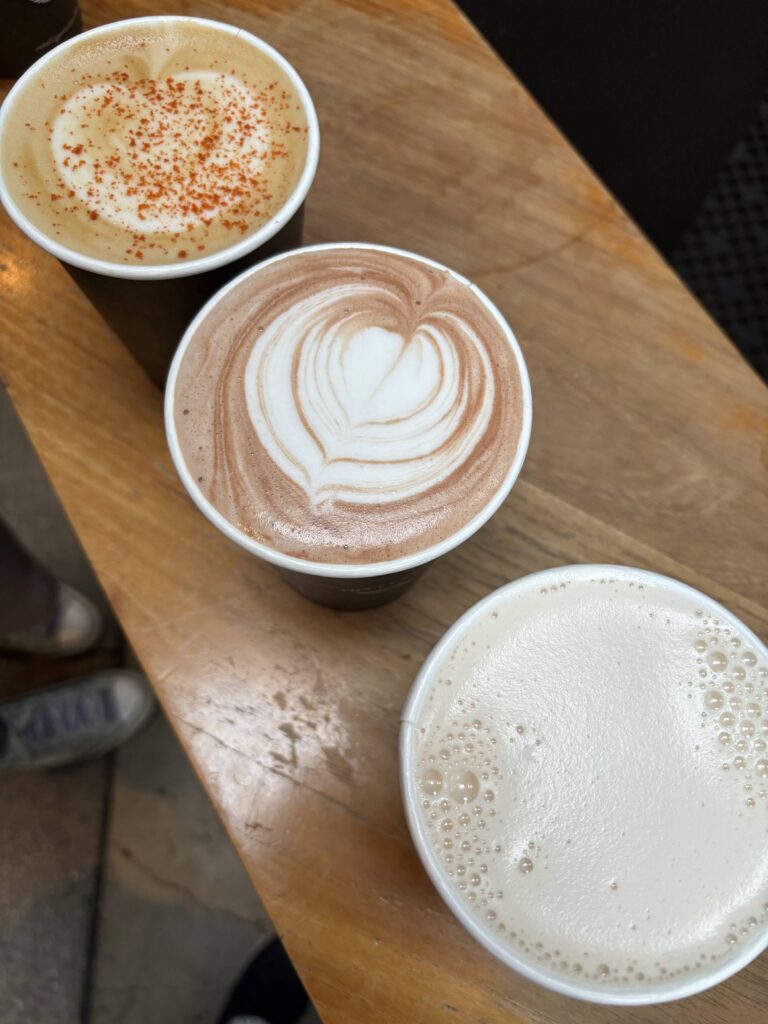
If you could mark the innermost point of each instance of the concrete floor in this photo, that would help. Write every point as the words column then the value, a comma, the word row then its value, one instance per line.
column 178, row 919
column 121, row 899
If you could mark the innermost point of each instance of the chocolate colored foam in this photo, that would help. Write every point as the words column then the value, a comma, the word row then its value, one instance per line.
column 349, row 405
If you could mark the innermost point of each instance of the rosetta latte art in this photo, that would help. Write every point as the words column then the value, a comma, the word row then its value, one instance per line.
column 349, row 404
column 354, row 411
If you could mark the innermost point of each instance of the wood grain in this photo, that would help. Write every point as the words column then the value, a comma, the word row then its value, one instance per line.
column 650, row 447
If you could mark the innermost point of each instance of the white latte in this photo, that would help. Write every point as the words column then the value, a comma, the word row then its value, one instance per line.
column 590, row 765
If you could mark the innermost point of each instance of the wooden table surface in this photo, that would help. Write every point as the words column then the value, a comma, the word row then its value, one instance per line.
column 650, row 447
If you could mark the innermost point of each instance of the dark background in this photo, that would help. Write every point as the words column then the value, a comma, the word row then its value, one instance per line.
column 665, row 100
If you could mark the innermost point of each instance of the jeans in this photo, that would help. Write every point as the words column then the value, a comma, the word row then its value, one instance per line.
column 27, row 590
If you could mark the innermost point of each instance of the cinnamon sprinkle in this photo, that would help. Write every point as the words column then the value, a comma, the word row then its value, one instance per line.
column 195, row 156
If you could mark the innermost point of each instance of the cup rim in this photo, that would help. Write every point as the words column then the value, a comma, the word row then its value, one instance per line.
column 335, row 570
column 409, row 717
column 166, row 271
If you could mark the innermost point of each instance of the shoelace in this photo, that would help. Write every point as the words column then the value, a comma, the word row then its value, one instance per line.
column 68, row 715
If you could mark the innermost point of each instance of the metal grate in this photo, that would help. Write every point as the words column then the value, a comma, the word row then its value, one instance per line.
column 723, row 256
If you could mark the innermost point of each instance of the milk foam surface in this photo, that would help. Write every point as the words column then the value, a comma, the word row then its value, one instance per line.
column 156, row 142
column 592, row 773
column 349, row 405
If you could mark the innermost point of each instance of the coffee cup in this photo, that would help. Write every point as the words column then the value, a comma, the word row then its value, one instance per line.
column 348, row 413
column 585, row 778
column 149, row 221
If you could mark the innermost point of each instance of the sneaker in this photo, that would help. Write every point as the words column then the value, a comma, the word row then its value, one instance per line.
column 72, row 721
column 269, row 992
column 74, row 627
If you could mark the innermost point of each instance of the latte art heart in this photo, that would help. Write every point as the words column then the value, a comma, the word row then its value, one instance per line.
column 352, row 411
column 349, row 404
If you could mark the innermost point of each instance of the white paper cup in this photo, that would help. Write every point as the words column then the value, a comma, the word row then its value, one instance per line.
column 182, row 268
column 354, row 585
column 589, row 991
column 149, row 306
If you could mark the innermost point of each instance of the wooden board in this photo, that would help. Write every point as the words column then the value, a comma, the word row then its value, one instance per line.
column 650, row 447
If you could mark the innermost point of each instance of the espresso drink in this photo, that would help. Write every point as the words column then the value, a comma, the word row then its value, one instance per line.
column 160, row 141
column 349, row 405
column 590, row 766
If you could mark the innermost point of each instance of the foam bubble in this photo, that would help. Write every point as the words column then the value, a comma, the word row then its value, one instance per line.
column 717, row 661
column 463, row 786
column 431, row 782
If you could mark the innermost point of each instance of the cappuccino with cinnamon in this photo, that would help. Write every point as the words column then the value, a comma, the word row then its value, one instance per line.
column 154, row 141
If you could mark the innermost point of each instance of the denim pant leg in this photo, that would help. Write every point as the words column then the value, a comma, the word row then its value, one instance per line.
column 27, row 590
